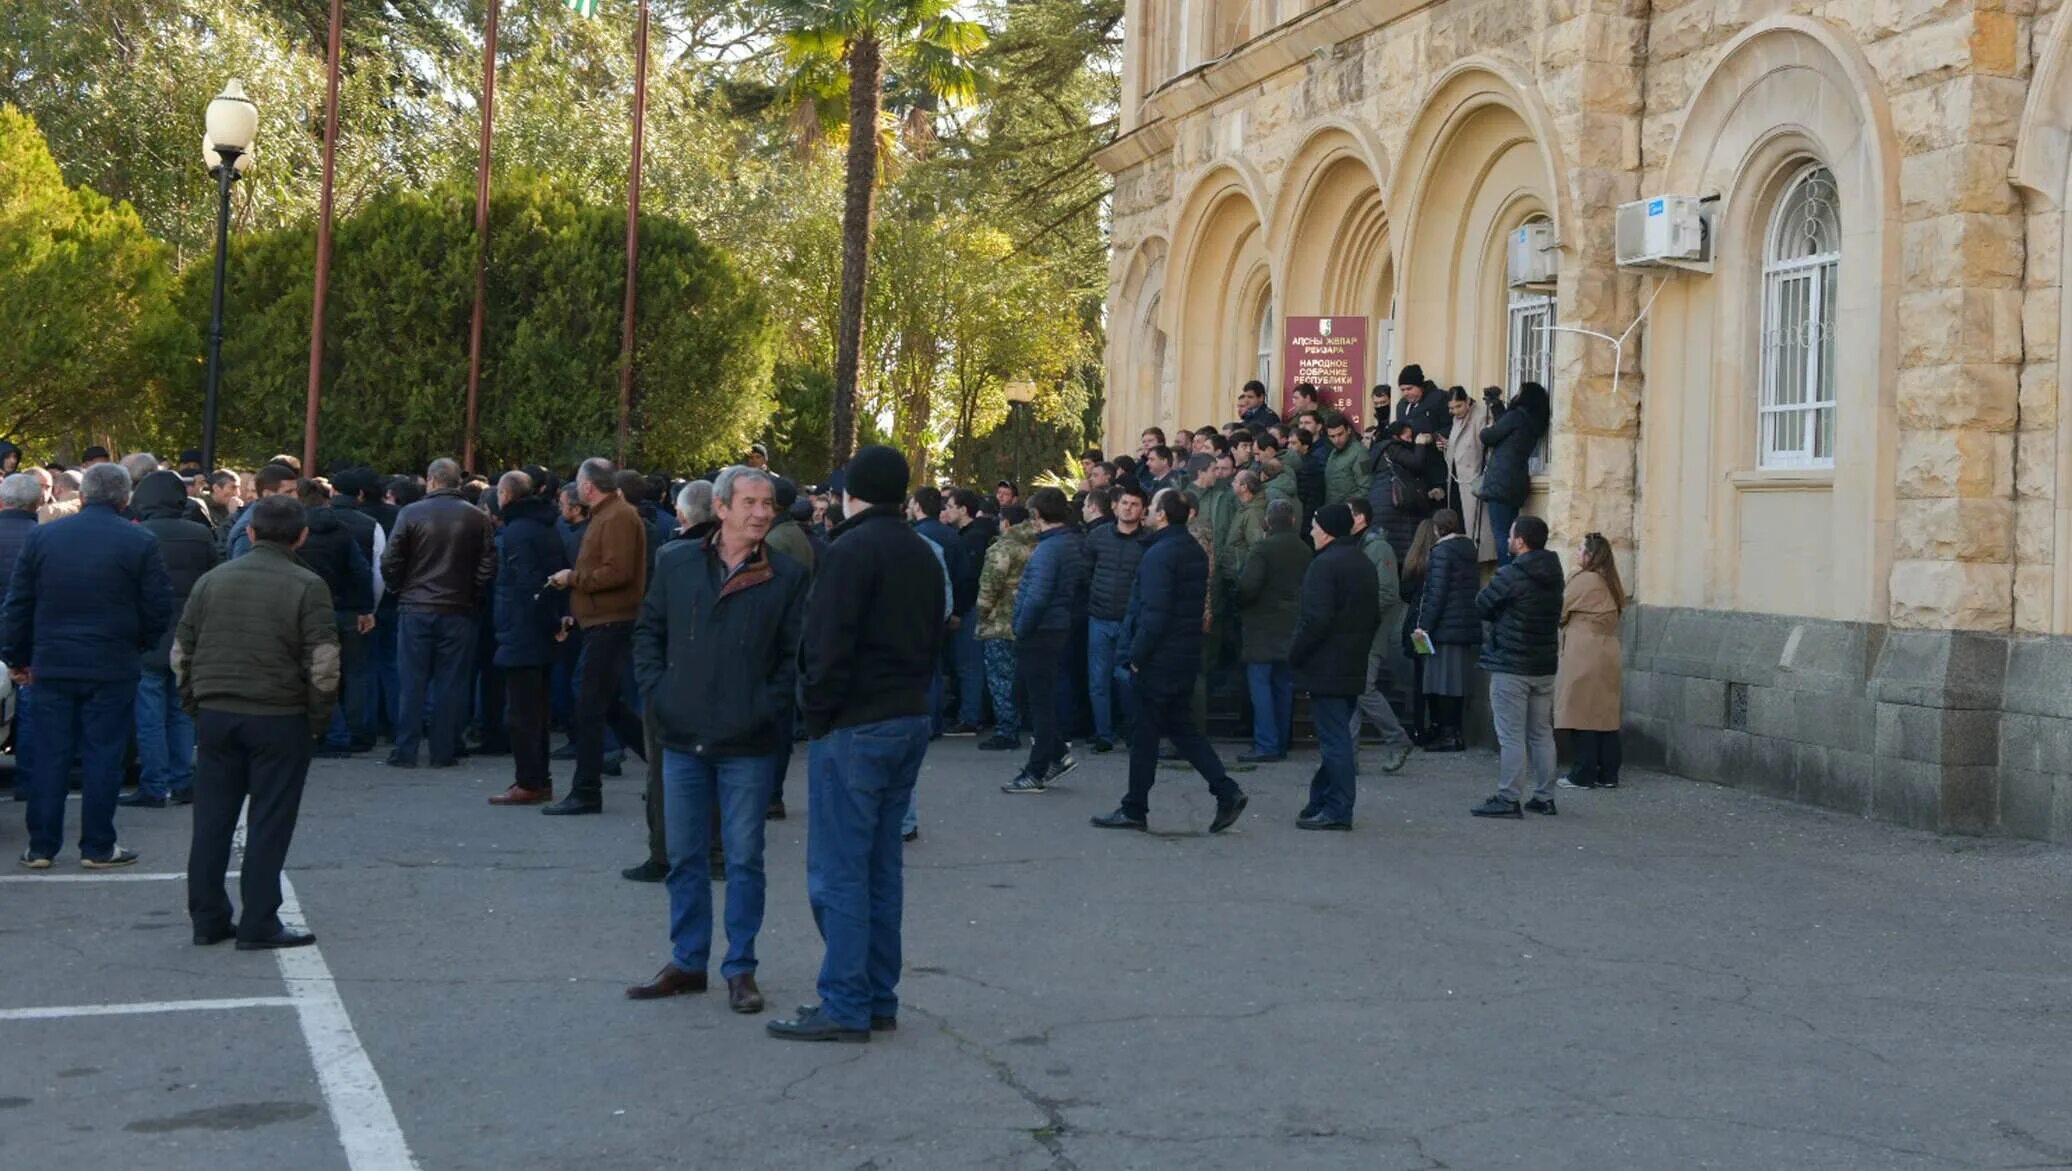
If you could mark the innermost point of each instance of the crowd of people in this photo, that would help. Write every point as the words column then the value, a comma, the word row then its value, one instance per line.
column 234, row 625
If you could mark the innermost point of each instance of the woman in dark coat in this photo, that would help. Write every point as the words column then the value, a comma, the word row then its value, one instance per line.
column 1407, row 484
column 1507, row 475
column 1417, row 565
column 1447, row 617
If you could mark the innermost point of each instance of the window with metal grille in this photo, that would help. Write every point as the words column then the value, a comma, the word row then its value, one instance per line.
column 1795, row 418
column 1531, row 356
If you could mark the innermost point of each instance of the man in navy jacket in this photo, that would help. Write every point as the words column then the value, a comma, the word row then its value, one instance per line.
column 1163, row 634
column 1043, row 610
column 529, row 550
column 90, row 594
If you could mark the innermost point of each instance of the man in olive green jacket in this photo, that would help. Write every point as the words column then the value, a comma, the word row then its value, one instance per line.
column 1249, row 528
column 1345, row 468
column 256, row 656
column 1269, row 598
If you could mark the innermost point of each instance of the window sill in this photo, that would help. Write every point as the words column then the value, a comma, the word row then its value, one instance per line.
column 1785, row 480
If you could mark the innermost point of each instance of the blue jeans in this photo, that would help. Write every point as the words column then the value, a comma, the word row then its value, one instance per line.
column 689, row 785
column 862, row 786
column 965, row 652
column 1273, row 707
column 435, row 652
column 352, row 719
column 1500, row 517
column 91, row 719
column 24, row 742
column 1106, row 684
column 165, row 737
column 1331, row 789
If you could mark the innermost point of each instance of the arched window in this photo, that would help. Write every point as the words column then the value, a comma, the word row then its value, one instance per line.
column 1801, row 266
column 1264, row 365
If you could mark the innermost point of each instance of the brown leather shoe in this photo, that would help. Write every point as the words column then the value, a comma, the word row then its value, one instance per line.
column 670, row 981
column 520, row 795
column 742, row 994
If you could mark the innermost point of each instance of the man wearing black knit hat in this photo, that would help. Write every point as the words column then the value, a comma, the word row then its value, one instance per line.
column 1340, row 613
column 873, row 636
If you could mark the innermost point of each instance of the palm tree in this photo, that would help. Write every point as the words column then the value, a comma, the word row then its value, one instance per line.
column 853, row 44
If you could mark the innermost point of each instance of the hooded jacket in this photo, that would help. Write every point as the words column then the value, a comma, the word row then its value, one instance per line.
column 1523, row 608
column 189, row 548
column 1506, row 474
column 333, row 553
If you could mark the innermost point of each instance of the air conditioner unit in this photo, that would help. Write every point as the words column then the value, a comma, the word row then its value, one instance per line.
column 1534, row 262
column 1665, row 230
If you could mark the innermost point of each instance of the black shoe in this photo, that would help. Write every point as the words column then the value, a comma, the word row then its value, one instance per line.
column 285, row 937
column 1448, row 741
column 648, row 871
column 213, row 935
column 1059, row 768
column 912, row 835
column 1538, row 806
column 1000, row 743
column 1102, row 744
column 181, row 797
column 329, row 753
column 394, row 761
column 1608, row 782
column 1227, row 812
column 1121, row 820
column 140, row 800
column 961, row 730
column 1259, row 758
column 1498, row 806
column 810, row 1025
column 1321, row 822
column 1023, row 783
column 774, row 812
column 572, row 805
column 884, row 1024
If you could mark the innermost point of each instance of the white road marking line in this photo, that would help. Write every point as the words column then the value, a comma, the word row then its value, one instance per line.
column 360, row 1108
column 61, row 1011
column 110, row 876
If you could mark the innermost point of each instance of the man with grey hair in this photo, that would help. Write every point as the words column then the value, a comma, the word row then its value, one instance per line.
column 694, row 504
column 605, row 587
column 64, row 496
column 694, row 523
column 139, row 464
column 439, row 563
column 528, row 623
column 21, row 494
column 88, row 596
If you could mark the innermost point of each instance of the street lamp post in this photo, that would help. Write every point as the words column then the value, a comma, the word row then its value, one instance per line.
column 1020, row 393
column 232, row 122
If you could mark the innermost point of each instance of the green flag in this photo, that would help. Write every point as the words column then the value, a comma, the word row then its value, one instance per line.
column 582, row 7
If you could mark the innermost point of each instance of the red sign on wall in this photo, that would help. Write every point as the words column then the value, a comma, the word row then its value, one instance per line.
column 1331, row 354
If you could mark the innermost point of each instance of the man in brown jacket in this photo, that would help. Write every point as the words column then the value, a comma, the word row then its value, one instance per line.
column 605, row 591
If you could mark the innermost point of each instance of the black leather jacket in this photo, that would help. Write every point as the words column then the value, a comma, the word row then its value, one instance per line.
column 442, row 555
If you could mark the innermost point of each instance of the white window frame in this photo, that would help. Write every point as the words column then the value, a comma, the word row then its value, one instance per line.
column 1529, row 356
column 1265, row 339
column 1798, row 344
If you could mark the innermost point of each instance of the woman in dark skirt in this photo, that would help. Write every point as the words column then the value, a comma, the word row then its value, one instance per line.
column 1447, row 617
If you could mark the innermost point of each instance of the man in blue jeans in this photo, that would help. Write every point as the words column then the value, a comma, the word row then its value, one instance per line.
column 714, row 652
column 872, row 639
column 89, row 595
column 1114, row 549
column 1339, row 614
column 439, row 563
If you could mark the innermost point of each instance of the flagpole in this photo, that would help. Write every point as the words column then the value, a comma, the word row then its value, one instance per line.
column 640, row 56
column 467, row 446
column 323, row 274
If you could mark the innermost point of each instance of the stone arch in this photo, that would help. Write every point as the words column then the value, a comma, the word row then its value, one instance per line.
column 2043, row 167
column 1218, row 258
column 1137, row 377
column 1719, row 531
column 1481, row 157
column 1330, row 228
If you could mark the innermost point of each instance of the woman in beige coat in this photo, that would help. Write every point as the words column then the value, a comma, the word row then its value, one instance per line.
column 1464, row 458
column 1587, row 682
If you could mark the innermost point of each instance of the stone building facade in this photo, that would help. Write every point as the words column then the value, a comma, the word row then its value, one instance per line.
column 1835, row 458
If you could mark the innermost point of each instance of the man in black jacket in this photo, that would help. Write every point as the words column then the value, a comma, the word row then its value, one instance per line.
column 165, row 733
column 1114, row 549
column 1252, row 408
column 1162, row 631
column 439, row 562
column 974, row 536
column 1522, row 606
column 1340, row 613
column 528, row 625
column 715, row 652
column 333, row 552
column 873, row 636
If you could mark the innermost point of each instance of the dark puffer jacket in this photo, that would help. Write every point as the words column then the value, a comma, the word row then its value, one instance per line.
column 1523, row 608
column 1447, row 612
column 1340, row 613
column 88, row 597
column 1163, row 627
column 1112, row 557
column 717, row 656
column 189, row 548
column 1507, row 454
column 1045, row 598
column 1419, row 468
column 529, row 551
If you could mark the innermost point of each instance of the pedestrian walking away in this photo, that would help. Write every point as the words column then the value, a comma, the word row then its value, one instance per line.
column 715, row 653
column 869, row 650
column 256, row 654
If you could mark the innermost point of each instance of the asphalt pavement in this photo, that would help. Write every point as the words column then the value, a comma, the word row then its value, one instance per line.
column 1671, row 975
